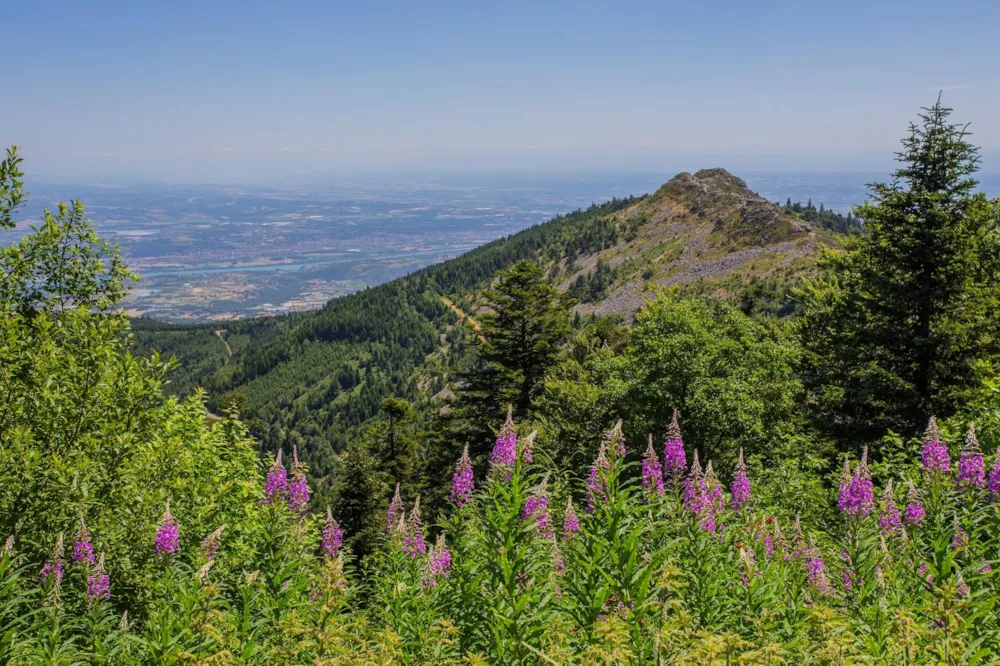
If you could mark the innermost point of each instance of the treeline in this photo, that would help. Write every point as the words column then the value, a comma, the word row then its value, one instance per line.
column 847, row 225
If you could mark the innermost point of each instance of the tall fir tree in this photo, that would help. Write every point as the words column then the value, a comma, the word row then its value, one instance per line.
column 906, row 322
column 522, row 331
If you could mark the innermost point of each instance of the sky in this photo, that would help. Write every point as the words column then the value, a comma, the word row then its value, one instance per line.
column 219, row 90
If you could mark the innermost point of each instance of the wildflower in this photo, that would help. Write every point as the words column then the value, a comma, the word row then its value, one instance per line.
column 674, row 459
column 595, row 481
column 959, row 537
column 298, row 490
column 740, row 488
column 167, row 540
column 528, row 447
column 333, row 536
column 8, row 547
column 98, row 582
column 856, row 495
column 971, row 472
column 571, row 523
column 276, row 483
column 54, row 567
column 505, row 448
column 615, row 440
column 914, row 507
column 440, row 560
column 396, row 509
column 462, row 483
column 713, row 489
column 83, row 550
column 536, row 509
column 934, row 455
column 994, row 481
column 961, row 587
column 413, row 535
column 210, row 544
column 815, row 571
column 694, row 487
column 652, row 473
column 889, row 519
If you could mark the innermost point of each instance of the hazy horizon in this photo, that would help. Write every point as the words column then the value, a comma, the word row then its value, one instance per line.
column 228, row 92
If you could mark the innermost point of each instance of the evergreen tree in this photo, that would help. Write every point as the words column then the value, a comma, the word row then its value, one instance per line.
column 906, row 323
column 360, row 503
column 521, row 336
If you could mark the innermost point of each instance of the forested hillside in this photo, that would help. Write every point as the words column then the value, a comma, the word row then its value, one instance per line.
column 315, row 379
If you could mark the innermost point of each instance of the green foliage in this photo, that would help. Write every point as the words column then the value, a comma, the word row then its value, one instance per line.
column 904, row 324
column 824, row 218
column 731, row 377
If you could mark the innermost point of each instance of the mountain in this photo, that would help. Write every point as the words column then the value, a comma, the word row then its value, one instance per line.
column 313, row 379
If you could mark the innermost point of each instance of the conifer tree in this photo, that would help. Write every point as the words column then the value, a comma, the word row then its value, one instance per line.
column 905, row 324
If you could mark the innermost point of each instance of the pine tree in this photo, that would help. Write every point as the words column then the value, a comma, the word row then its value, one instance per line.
column 360, row 500
column 906, row 323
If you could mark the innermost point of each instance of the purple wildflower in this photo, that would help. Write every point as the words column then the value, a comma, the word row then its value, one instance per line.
column 652, row 473
column 596, row 489
column 536, row 509
column 571, row 523
column 276, row 483
column 99, row 582
column 971, row 467
column 934, row 455
column 914, row 507
column 210, row 544
column 694, row 487
column 298, row 489
column 994, row 481
column 674, row 459
column 333, row 536
column 888, row 518
column 713, row 490
column 959, row 537
column 440, row 557
column 83, row 549
column 528, row 447
column 961, row 587
column 462, row 483
column 413, row 536
column 167, row 540
column 505, row 448
column 856, row 495
column 54, row 567
column 396, row 510
column 740, row 488
column 615, row 440
column 816, row 571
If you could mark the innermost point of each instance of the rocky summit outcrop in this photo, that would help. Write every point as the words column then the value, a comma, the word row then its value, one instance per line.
column 698, row 231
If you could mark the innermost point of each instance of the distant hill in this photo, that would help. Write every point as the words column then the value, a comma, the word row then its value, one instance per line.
column 314, row 378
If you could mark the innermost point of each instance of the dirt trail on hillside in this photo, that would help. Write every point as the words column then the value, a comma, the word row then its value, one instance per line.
column 229, row 350
column 457, row 310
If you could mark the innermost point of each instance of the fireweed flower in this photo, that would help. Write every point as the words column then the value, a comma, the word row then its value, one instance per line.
column 971, row 467
column 914, row 507
column 740, row 488
column 994, row 482
column 596, row 489
column 713, row 490
column 276, row 483
column 674, row 460
column 536, row 509
column 816, row 571
column 83, row 549
column 888, row 518
column 8, row 547
column 167, row 540
column 934, row 455
column 210, row 544
column 298, row 489
column 505, row 448
column 413, row 537
column 856, row 495
column 440, row 557
column 616, row 440
column 98, row 582
column 571, row 523
column 694, row 487
column 333, row 536
column 462, row 483
column 528, row 446
column 396, row 510
column 652, row 473
column 54, row 567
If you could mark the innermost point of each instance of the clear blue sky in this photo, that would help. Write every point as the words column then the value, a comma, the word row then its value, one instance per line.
column 220, row 90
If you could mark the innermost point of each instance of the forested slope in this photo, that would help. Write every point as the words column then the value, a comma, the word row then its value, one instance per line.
column 313, row 379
